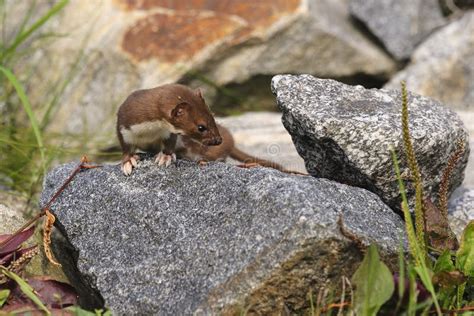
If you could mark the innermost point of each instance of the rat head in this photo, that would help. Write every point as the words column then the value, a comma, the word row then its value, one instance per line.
column 191, row 115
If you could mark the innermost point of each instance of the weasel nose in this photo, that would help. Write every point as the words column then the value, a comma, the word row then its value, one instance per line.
column 217, row 141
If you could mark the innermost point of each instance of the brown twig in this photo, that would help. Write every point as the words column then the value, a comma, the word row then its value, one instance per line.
column 356, row 240
column 336, row 305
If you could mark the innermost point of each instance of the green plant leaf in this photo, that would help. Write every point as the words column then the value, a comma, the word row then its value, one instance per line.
column 79, row 311
column 374, row 284
column 465, row 254
column 26, row 105
column 4, row 294
column 26, row 289
column 444, row 263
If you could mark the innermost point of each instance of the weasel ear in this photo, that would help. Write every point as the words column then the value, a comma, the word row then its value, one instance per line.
column 179, row 110
column 199, row 93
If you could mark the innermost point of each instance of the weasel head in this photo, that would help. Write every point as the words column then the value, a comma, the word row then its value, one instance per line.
column 192, row 116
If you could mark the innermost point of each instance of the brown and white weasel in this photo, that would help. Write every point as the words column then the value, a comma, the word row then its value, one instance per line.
column 151, row 120
column 174, row 121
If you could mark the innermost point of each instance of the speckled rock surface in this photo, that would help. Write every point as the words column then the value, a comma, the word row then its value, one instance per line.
column 262, row 134
column 399, row 24
column 184, row 240
column 461, row 211
column 345, row 133
column 442, row 67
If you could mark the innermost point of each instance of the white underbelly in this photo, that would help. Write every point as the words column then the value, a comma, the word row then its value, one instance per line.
column 148, row 134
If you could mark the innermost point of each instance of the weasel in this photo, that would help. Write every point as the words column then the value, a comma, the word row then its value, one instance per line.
column 174, row 121
column 151, row 120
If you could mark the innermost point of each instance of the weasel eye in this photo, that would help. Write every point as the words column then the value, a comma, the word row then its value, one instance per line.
column 202, row 128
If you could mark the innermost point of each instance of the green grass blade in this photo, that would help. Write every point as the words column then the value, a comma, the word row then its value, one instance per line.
column 401, row 273
column 417, row 254
column 27, row 33
column 410, row 230
column 27, row 107
column 26, row 289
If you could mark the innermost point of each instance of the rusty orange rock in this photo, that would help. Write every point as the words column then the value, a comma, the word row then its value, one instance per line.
column 174, row 37
column 190, row 26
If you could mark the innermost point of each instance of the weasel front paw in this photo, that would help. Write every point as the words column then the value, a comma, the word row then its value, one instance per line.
column 163, row 159
column 128, row 163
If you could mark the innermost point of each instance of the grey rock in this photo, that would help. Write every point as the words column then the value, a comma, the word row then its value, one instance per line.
column 262, row 134
column 318, row 38
column 345, row 133
column 468, row 119
column 184, row 240
column 399, row 24
column 461, row 211
column 464, row 4
column 442, row 67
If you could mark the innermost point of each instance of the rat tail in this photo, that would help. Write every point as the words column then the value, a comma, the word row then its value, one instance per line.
column 249, row 160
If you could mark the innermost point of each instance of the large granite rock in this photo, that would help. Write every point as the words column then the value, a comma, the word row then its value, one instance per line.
column 399, row 24
column 345, row 133
column 317, row 38
column 442, row 67
column 262, row 134
column 185, row 240
column 131, row 44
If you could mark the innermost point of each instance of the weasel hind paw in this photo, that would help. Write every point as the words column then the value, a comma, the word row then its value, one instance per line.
column 163, row 159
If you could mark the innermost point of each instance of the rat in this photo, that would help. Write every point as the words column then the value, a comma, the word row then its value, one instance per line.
column 151, row 120
column 189, row 149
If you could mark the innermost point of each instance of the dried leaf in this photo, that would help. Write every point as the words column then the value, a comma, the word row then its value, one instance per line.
column 47, row 230
column 446, row 274
column 438, row 232
column 449, row 279
column 16, row 241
